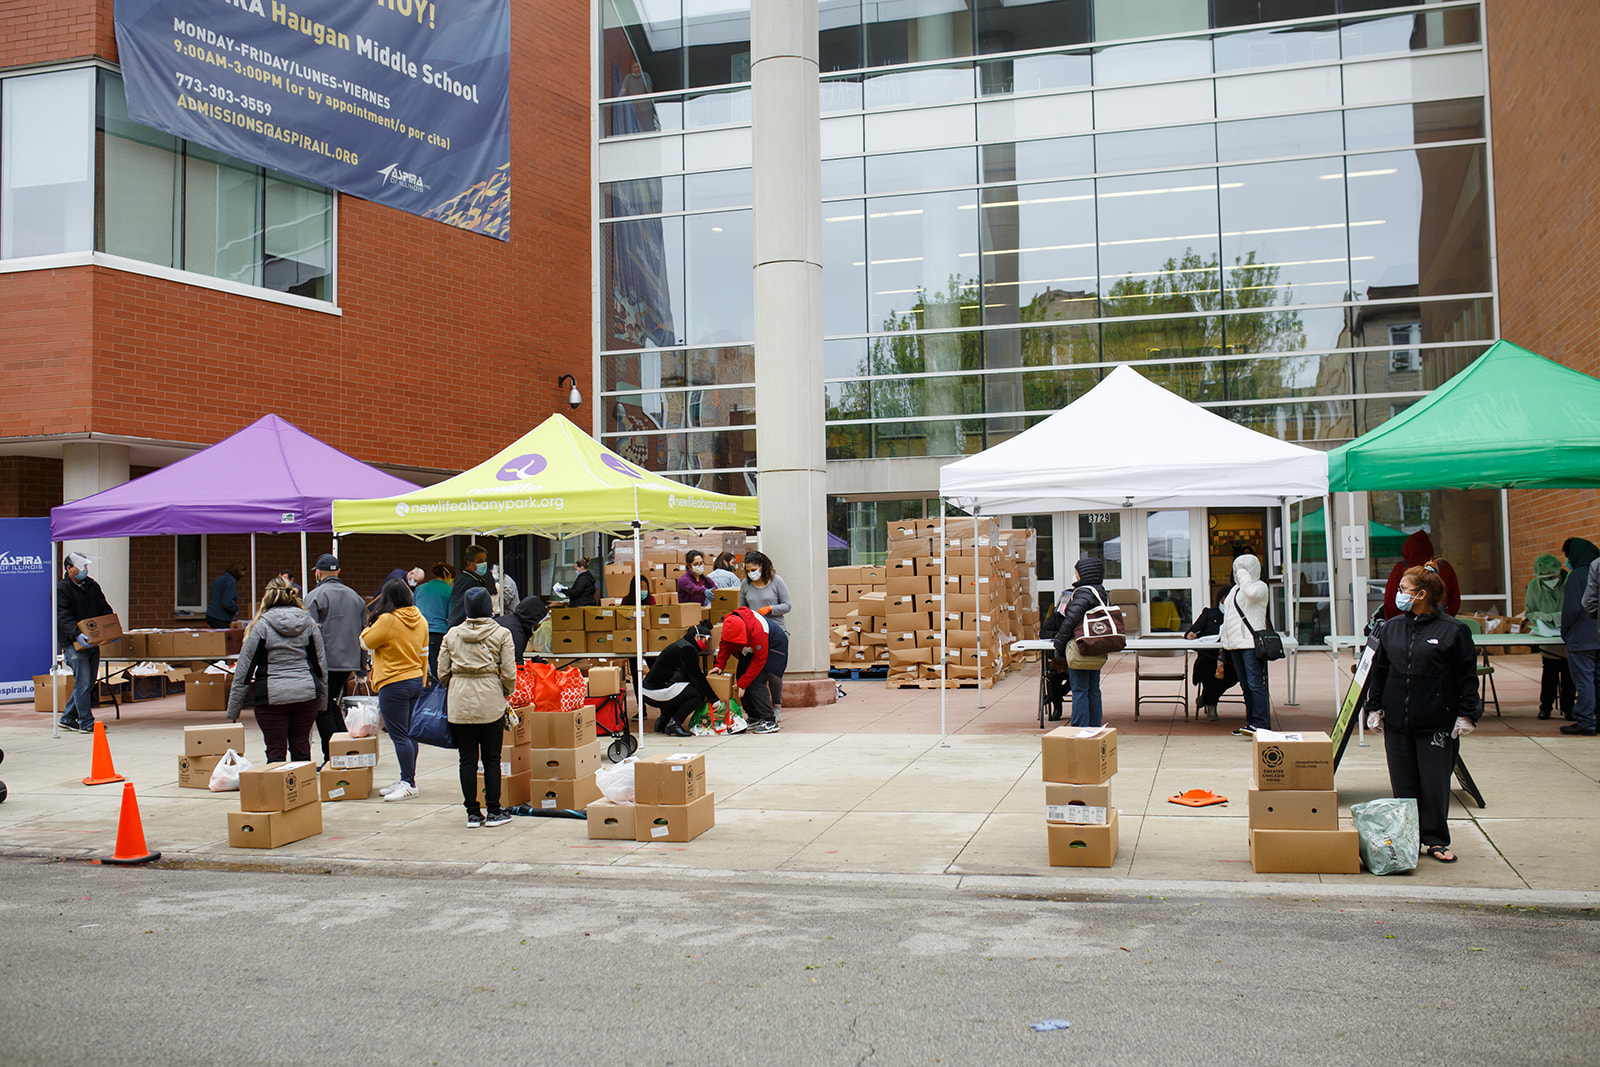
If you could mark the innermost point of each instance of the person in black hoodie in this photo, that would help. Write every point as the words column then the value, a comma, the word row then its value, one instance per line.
column 676, row 683
column 522, row 620
column 78, row 597
column 1213, row 672
column 475, row 575
column 1082, row 671
column 1424, row 693
column 1578, row 606
column 581, row 593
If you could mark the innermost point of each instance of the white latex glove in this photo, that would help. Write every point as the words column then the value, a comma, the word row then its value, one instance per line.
column 1375, row 721
column 1464, row 726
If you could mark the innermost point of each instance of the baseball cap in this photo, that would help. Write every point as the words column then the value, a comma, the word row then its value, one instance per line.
column 326, row 562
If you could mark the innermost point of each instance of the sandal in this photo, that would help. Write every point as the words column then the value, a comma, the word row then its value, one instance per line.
column 1439, row 852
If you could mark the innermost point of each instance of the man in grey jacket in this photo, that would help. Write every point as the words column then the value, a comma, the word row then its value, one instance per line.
column 340, row 613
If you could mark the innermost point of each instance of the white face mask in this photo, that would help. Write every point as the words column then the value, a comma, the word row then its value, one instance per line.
column 755, row 575
column 699, row 568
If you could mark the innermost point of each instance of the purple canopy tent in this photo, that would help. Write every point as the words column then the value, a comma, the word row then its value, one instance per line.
column 270, row 477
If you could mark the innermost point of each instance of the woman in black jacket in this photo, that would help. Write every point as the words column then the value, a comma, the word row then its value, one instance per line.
column 676, row 683
column 1087, row 592
column 581, row 593
column 1213, row 672
column 1424, row 695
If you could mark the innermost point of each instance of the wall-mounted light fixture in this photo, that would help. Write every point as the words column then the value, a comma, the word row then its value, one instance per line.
column 574, row 398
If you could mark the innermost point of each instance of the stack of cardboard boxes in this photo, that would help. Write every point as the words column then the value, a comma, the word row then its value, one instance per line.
column 1080, row 823
column 661, row 559
column 278, row 803
column 856, row 601
column 672, row 802
column 611, row 632
column 203, row 746
column 352, row 761
column 1294, row 809
column 556, row 769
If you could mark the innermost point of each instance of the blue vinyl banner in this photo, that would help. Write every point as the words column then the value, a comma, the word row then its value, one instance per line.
column 402, row 102
column 25, row 591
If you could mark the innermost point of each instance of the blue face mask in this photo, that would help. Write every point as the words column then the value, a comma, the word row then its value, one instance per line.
column 1403, row 601
column 482, row 568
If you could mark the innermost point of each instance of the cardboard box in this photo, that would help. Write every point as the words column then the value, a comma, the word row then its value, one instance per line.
column 194, row 772
column 568, row 793
column 1079, row 754
column 674, row 822
column 213, row 740
column 901, row 658
column 1296, row 761
column 567, row 619
column 600, row 642
column 725, row 599
column 205, row 644
column 206, row 692
column 547, row 764
column 158, row 644
column 348, row 784
column 1293, row 809
column 102, row 629
column 271, row 829
column 515, row 790
column 41, row 692
column 568, row 642
column 604, row 681
column 561, row 729
column 279, row 786
column 675, row 616
column 844, row 576
column 722, row 685
column 513, row 761
column 347, row 753
column 1072, row 845
column 618, row 576
column 656, row 640
column 520, row 734
column 1305, row 852
column 599, row 619
column 623, row 644
column 610, row 820
column 670, row 778
column 1060, row 795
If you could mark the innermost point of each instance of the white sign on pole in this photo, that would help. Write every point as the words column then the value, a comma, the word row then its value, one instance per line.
column 1352, row 542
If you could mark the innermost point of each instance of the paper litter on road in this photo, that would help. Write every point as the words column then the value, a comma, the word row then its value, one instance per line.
column 1047, row 1025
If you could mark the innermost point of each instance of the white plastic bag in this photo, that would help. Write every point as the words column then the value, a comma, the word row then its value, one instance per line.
column 225, row 776
column 361, row 716
column 616, row 781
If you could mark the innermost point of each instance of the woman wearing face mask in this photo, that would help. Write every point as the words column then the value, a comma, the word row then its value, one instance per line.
column 1423, row 693
column 582, row 592
column 724, row 572
column 1245, row 607
column 694, row 585
column 1542, row 604
column 1083, row 671
column 764, row 593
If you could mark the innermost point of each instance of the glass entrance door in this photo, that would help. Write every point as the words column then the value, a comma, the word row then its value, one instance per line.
column 1170, row 574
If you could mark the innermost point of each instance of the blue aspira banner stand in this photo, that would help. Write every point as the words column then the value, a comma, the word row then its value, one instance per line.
column 402, row 102
column 26, row 623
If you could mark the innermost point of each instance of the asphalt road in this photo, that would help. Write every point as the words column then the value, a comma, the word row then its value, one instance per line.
column 217, row 967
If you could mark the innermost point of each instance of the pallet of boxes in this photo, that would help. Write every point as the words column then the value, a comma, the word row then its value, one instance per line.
column 1080, row 823
column 671, row 804
column 278, row 804
column 1294, row 808
column 858, row 636
column 959, row 600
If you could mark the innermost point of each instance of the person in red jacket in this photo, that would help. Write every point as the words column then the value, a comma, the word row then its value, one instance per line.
column 762, row 652
column 1418, row 552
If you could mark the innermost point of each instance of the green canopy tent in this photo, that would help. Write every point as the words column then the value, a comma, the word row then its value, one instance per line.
column 1381, row 540
column 555, row 481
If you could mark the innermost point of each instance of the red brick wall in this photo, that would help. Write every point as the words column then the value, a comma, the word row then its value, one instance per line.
column 29, row 486
column 1547, row 216
column 36, row 31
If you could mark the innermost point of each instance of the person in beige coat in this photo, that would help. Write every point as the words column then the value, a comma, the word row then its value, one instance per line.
column 477, row 663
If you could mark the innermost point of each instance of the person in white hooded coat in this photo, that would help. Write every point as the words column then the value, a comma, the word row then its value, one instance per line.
column 1244, row 607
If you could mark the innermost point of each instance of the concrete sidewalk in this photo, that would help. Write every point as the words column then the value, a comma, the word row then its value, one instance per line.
column 866, row 788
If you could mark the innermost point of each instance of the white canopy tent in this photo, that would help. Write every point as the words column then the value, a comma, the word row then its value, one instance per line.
column 1130, row 443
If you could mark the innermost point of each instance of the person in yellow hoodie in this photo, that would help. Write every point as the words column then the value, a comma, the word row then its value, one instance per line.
column 398, row 639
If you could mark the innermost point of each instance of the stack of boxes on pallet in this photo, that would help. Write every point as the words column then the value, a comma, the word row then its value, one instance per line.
column 672, row 802
column 662, row 559
column 1294, row 809
column 1080, row 823
column 203, row 746
column 278, row 803
column 352, row 761
column 610, row 632
column 556, row 768
column 856, row 635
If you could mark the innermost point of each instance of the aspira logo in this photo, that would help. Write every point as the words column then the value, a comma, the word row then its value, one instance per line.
column 20, row 564
column 393, row 175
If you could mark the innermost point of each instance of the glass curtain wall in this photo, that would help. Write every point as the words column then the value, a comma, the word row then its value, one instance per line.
column 1278, row 210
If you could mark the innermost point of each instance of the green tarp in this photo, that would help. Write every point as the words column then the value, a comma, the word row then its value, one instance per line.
column 1513, row 419
column 1381, row 540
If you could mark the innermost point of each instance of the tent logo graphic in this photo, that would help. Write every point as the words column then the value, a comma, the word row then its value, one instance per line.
column 620, row 467
column 287, row 518
column 672, row 500
column 401, row 508
column 521, row 468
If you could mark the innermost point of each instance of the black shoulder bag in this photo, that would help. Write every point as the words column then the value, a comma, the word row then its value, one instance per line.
column 1269, row 646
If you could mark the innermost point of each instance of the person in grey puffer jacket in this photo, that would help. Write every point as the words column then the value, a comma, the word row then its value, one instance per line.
column 284, row 652
column 477, row 663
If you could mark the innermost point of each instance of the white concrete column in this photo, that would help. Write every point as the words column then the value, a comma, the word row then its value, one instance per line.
column 791, row 450
column 86, row 469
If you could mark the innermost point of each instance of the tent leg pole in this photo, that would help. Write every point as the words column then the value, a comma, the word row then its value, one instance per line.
column 500, row 583
column 254, row 583
column 1355, row 617
column 1289, row 622
column 638, row 618
column 305, row 573
column 944, row 667
column 55, row 648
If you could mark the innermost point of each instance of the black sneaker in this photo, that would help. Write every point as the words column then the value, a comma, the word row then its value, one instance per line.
column 1575, row 729
column 1245, row 731
column 497, row 818
column 474, row 820
column 72, row 727
column 765, row 726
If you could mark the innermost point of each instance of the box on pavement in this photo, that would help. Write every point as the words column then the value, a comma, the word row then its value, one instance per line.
column 1088, row 803
column 206, row 691
column 1293, row 809
column 603, row 681
column 515, row 790
column 517, row 759
column 41, row 692
column 675, row 778
column 610, row 820
column 347, row 752
column 1293, row 761
column 1305, row 852
column 548, row 764
column 213, row 740
column 520, row 734
column 194, row 772
column 674, row 822
column 1079, row 754
column 562, row 729
column 1077, row 845
column 270, row 829
column 345, row 783
column 565, row 793
column 279, row 786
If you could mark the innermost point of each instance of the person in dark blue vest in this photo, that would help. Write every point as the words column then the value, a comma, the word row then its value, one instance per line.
column 222, row 606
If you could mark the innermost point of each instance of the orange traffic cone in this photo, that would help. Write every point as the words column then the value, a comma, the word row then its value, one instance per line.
column 130, row 832
column 101, row 772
